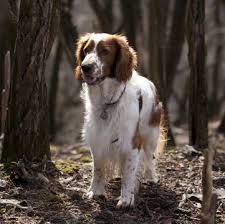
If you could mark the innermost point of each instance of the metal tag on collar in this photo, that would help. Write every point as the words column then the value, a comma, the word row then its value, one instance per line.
column 104, row 114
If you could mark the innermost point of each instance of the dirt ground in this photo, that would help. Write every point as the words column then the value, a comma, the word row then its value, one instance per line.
column 58, row 196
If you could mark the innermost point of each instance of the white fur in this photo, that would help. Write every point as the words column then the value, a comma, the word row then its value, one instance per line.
column 121, row 124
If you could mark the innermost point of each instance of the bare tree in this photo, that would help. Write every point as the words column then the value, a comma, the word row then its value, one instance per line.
column 198, row 122
column 175, row 43
column 156, row 58
column 221, row 128
column 26, row 133
column 131, row 19
column 214, row 100
column 182, row 104
column 66, row 37
column 53, row 89
column 5, row 92
column 104, row 13
column 8, row 22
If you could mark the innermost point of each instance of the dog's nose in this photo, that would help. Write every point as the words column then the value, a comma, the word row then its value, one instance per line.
column 87, row 68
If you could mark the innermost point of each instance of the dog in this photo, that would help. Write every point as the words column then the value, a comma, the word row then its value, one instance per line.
column 122, row 123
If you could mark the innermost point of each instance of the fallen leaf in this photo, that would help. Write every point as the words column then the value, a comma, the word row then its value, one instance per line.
column 195, row 197
column 220, row 193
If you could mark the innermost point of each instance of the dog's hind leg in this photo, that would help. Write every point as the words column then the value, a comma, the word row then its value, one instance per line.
column 150, row 146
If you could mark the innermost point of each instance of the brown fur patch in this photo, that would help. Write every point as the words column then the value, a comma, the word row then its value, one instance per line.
column 107, row 51
column 126, row 59
column 137, row 141
column 156, row 114
column 89, row 46
column 163, row 133
column 118, row 57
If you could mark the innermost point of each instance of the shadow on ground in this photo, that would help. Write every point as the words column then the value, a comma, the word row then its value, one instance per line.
column 62, row 200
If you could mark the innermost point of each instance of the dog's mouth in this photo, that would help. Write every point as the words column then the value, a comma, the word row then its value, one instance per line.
column 90, row 80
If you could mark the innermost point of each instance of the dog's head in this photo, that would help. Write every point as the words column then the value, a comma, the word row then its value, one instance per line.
column 104, row 55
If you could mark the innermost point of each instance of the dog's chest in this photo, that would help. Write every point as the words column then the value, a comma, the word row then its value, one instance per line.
column 114, row 125
column 115, row 131
column 108, row 122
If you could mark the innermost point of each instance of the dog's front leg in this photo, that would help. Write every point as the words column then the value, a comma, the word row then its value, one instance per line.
column 130, row 179
column 98, row 177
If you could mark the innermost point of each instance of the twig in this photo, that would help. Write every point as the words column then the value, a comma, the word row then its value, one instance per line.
column 25, row 173
column 12, row 202
column 194, row 218
column 42, row 178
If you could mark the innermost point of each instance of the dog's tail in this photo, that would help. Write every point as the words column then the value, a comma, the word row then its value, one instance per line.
column 162, row 141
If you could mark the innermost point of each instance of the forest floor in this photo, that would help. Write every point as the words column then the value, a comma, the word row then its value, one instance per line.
column 58, row 196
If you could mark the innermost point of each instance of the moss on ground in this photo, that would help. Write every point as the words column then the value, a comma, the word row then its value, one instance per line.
column 67, row 166
column 85, row 159
column 82, row 149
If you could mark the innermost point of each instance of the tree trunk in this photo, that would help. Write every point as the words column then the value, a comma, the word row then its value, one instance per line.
column 182, row 106
column 7, row 41
column 214, row 98
column 221, row 128
column 5, row 92
column 156, row 61
column 104, row 13
column 132, row 19
column 175, row 43
column 26, row 133
column 53, row 90
column 67, row 35
column 198, row 122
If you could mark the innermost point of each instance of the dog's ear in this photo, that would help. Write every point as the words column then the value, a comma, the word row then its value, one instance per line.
column 126, row 59
column 80, row 53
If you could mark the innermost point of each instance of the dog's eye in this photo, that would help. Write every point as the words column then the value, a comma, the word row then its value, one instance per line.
column 105, row 51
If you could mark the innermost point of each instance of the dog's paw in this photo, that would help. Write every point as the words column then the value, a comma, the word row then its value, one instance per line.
column 151, row 177
column 154, row 179
column 90, row 194
column 127, row 202
column 93, row 194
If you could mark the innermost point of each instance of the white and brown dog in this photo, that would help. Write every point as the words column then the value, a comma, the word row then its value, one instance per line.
column 122, row 114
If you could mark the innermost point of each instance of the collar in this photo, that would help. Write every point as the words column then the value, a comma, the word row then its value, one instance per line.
column 104, row 114
column 116, row 101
